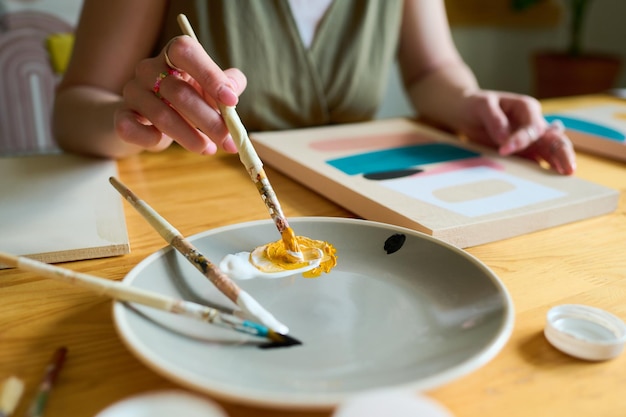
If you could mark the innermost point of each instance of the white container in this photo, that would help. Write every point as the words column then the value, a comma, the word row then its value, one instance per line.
column 585, row 332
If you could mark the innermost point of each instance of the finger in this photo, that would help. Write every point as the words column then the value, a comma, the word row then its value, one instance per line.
column 560, row 152
column 495, row 121
column 166, row 119
column 188, row 55
column 556, row 149
column 185, row 99
column 135, row 129
column 238, row 79
column 524, row 116
column 522, row 138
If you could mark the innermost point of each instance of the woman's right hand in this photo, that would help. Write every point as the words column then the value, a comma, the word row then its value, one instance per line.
column 179, row 101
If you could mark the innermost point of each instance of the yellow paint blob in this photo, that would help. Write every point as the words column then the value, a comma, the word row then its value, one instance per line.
column 274, row 256
column 291, row 244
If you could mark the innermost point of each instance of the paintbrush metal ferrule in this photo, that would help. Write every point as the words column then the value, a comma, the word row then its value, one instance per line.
column 243, row 325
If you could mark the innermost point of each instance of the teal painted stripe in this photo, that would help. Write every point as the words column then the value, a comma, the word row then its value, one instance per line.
column 400, row 158
column 587, row 127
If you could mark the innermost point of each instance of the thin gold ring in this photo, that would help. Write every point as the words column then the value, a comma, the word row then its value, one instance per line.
column 168, row 61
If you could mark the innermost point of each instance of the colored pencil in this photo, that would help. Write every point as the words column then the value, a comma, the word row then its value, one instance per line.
column 45, row 387
column 122, row 292
column 250, row 159
column 12, row 390
column 211, row 271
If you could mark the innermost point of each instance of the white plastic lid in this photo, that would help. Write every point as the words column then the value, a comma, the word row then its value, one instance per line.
column 585, row 332
column 164, row 403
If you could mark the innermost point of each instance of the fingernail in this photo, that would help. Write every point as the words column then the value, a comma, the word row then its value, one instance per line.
column 210, row 149
column 233, row 83
column 566, row 166
column 227, row 95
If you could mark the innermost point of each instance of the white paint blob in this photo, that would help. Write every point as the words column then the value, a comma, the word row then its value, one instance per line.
column 239, row 266
column 257, row 313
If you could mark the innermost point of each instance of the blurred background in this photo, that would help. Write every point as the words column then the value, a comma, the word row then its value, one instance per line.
column 497, row 38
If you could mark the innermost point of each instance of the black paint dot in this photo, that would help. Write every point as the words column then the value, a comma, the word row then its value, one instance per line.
column 394, row 243
column 389, row 175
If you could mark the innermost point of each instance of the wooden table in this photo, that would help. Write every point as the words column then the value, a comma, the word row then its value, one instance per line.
column 583, row 262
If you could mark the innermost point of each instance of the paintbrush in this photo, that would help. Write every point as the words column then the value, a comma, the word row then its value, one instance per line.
column 222, row 281
column 12, row 391
column 250, row 159
column 122, row 292
column 40, row 400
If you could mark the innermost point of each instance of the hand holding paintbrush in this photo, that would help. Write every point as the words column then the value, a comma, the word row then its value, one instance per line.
column 254, row 166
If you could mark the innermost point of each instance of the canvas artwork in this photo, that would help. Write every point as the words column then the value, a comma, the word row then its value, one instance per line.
column 58, row 208
column 598, row 129
column 399, row 172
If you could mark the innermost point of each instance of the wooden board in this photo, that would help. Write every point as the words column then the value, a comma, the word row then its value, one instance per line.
column 59, row 207
column 399, row 172
column 599, row 129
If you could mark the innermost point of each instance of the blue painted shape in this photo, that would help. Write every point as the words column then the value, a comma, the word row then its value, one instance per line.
column 588, row 127
column 400, row 158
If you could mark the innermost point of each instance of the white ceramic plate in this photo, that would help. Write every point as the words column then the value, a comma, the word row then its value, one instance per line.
column 416, row 318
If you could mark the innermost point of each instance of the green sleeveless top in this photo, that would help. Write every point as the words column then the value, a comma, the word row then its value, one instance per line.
column 340, row 79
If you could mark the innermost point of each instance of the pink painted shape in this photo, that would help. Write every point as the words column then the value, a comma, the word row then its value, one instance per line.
column 461, row 164
column 370, row 142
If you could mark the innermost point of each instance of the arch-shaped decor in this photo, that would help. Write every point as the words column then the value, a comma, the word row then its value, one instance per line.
column 27, row 82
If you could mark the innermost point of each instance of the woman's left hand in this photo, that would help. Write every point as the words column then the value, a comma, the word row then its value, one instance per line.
column 514, row 124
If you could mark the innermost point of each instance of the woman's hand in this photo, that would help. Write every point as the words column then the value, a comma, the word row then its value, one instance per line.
column 175, row 97
column 514, row 124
